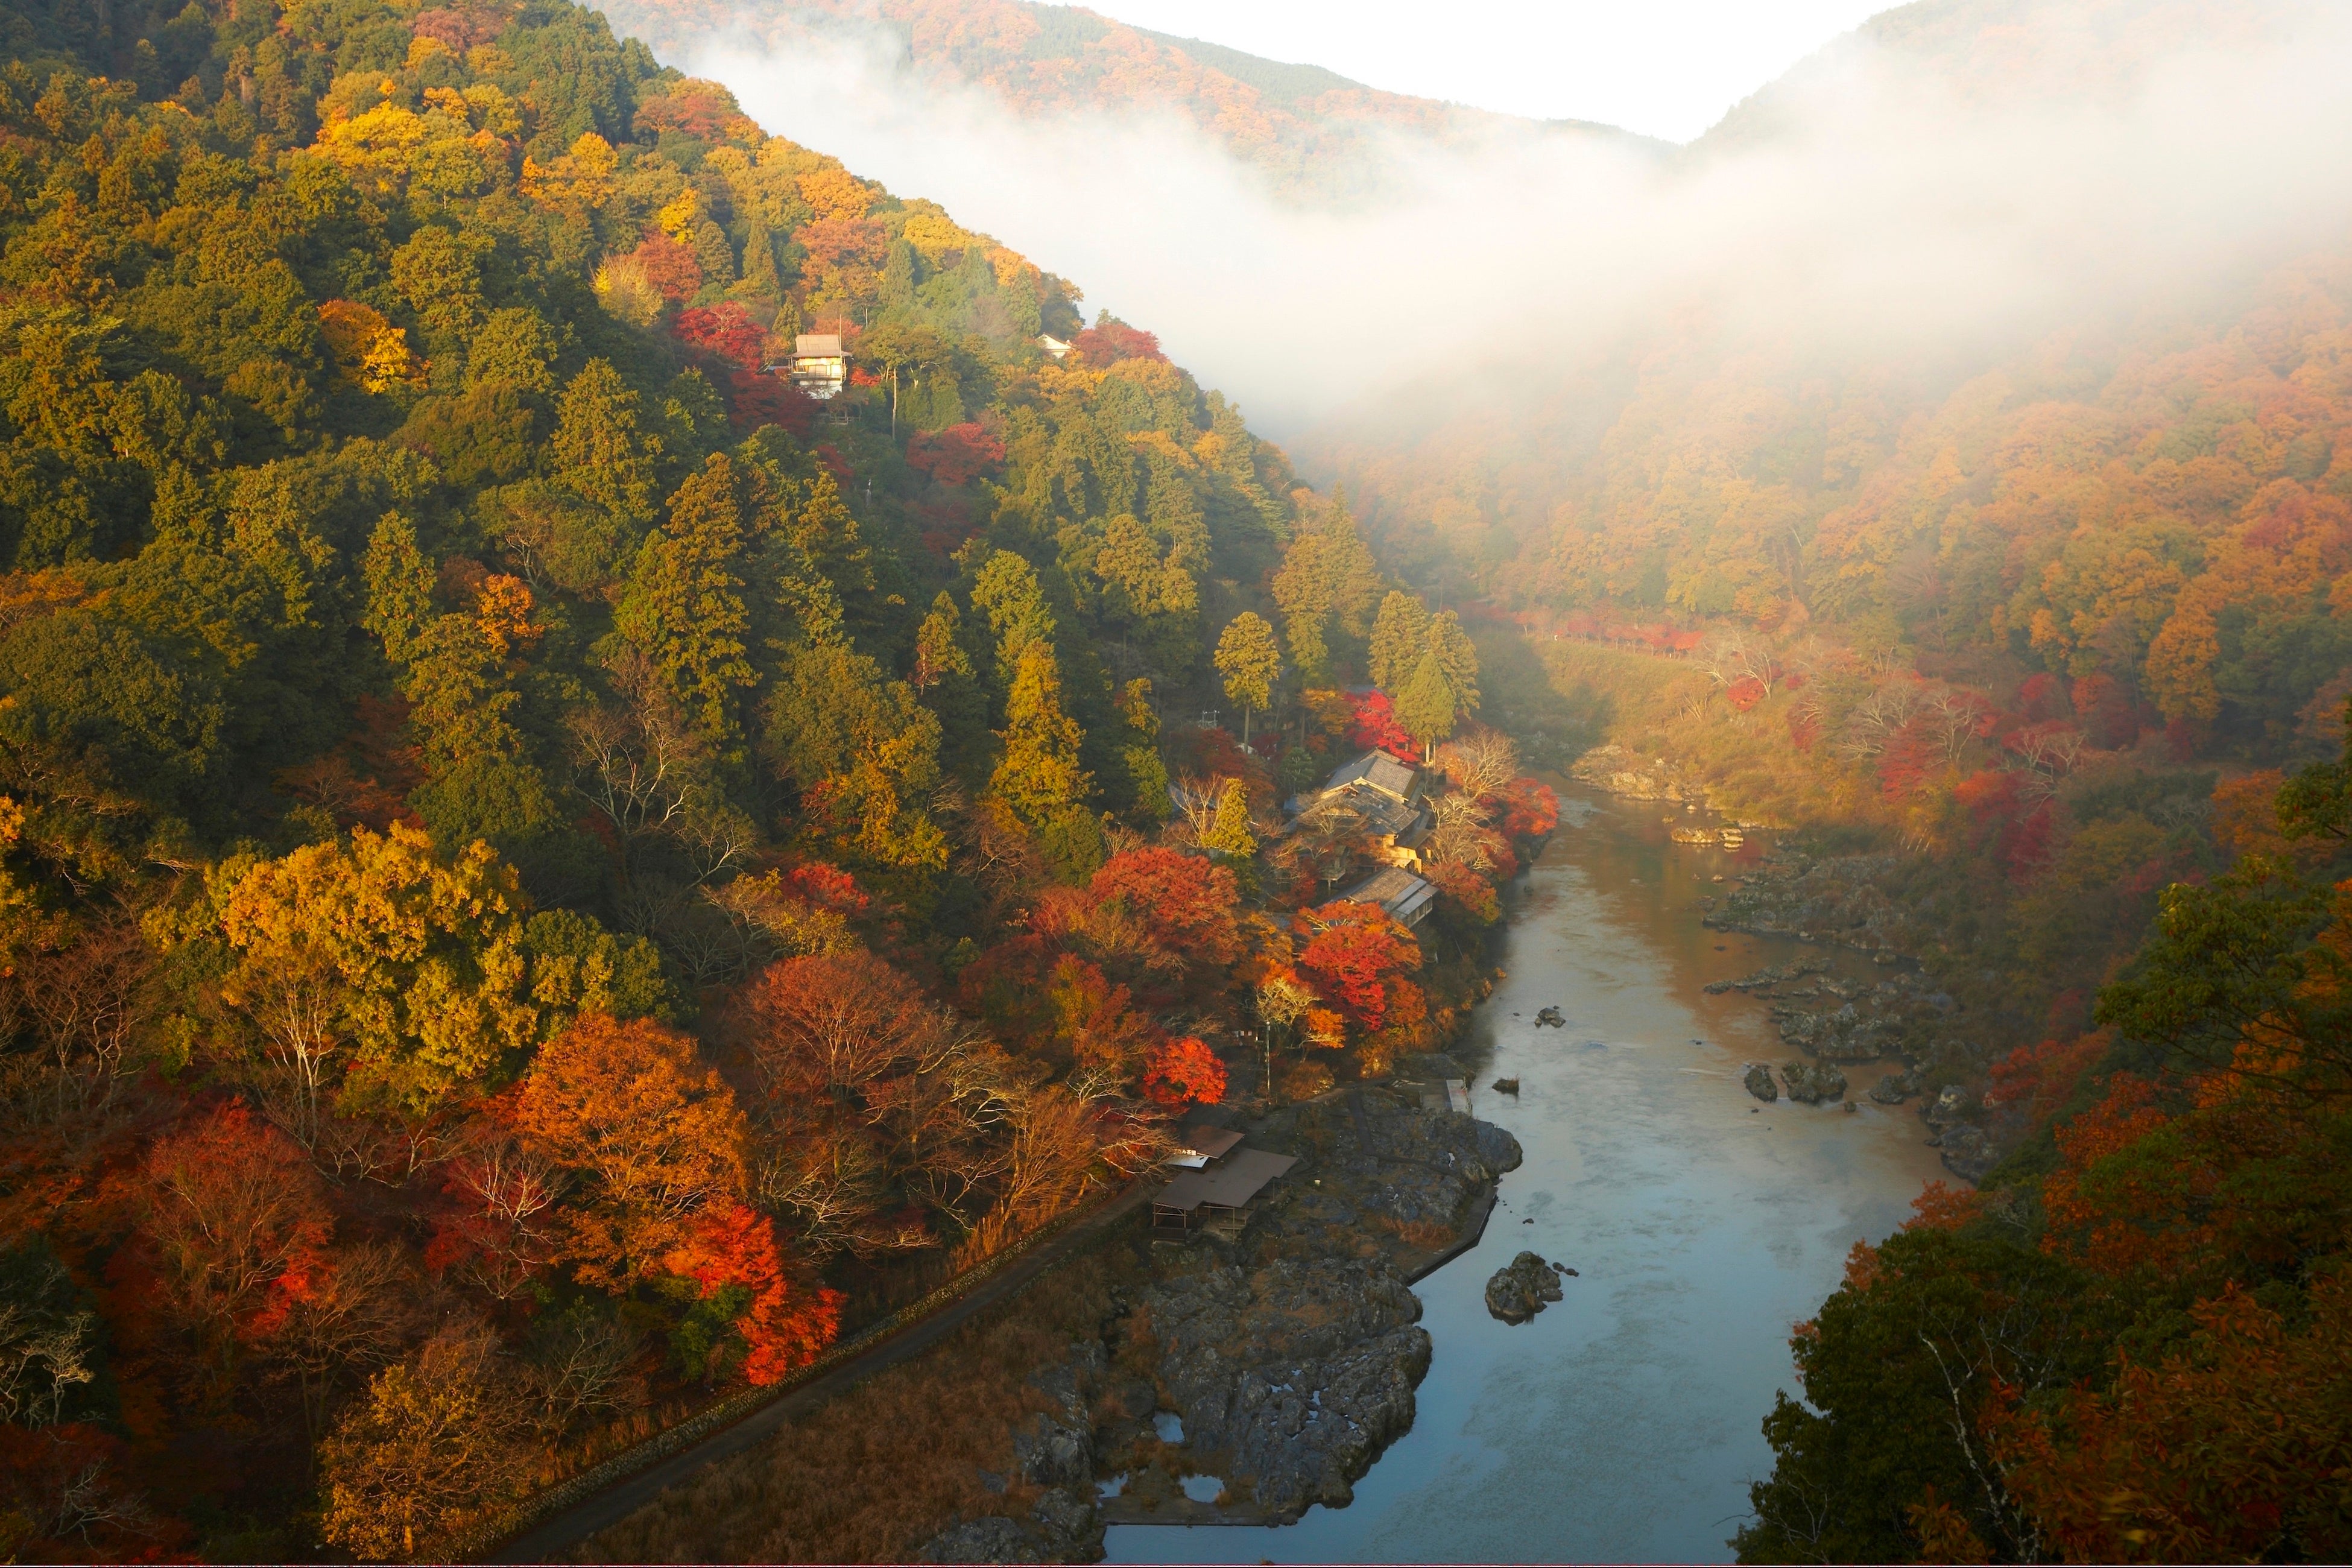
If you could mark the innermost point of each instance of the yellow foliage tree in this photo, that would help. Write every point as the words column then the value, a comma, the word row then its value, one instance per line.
column 579, row 180
column 437, row 1443
column 381, row 975
column 368, row 351
column 835, row 191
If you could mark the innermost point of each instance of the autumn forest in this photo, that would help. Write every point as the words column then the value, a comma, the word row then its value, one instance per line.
column 555, row 869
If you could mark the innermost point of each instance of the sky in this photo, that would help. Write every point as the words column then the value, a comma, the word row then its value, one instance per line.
column 1665, row 68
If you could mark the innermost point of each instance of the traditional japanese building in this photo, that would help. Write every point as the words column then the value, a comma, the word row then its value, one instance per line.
column 1375, row 797
column 820, row 364
column 1404, row 896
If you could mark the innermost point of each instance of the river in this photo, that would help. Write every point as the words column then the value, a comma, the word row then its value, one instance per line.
column 1622, row 1424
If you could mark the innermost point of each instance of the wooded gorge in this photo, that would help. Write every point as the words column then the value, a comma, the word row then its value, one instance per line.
column 550, row 874
column 547, row 876
column 2045, row 656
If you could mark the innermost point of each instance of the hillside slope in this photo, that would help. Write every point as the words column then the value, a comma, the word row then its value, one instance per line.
column 560, row 844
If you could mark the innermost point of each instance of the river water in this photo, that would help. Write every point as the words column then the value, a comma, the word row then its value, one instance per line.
column 1622, row 1424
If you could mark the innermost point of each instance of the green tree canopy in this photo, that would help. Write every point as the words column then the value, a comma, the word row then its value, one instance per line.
column 1250, row 662
column 1398, row 637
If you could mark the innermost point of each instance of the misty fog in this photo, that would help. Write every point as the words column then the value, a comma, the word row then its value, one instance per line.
column 1877, row 210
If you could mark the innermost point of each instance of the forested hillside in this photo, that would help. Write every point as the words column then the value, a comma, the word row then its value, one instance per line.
column 549, row 875
column 1318, row 135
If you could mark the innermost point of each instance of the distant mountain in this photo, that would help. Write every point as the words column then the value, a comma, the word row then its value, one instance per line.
column 1314, row 131
column 1985, row 51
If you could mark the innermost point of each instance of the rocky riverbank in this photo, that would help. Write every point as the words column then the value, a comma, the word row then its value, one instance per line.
column 1845, row 1023
column 1246, row 1375
column 1837, row 900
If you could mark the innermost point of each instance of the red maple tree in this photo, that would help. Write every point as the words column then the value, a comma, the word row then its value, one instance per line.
column 787, row 1324
column 1355, row 955
column 1374, row 725
column 1184, row 1071
column 1529, row 809
column 1111, row 340
column 725, row 331
column 669, row 266
column 956, row 455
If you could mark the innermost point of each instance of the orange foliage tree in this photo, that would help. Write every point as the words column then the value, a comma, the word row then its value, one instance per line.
column 645, row 1127
column 1186, row 902
column 2230, row 1449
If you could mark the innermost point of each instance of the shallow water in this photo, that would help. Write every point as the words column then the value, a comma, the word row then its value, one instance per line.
column 1622, row 1424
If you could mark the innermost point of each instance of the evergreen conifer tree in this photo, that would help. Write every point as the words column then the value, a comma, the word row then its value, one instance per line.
column 1458, row 658
column 601, row 450
column 1147, row 774
column 683, row 605
column 1038, row 775
column 1007, row 591
column 761, row 282
column 899, row 275
column 1250, row 660
column 1426, row 705
column 937, row 654
column 1398, row 637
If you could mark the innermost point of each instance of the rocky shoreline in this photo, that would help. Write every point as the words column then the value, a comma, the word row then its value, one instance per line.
column 1834, row 900
column 1246, row 1376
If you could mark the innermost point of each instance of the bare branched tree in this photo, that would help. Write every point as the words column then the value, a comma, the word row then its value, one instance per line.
column 353, row 1318
column 1957, row 716
column 510, row 1189
column 2050, row 751
column 77, row 993
column 1732, row 656
column 1481, row 762
column 638, row 762
column 1875, row 720
column 47, row 1342
column 297, row 1001
column 580, row 1365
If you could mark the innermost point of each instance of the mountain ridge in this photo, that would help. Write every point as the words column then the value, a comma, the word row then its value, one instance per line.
column 1314, row 132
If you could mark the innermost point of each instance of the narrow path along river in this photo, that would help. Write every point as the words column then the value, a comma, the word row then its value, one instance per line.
column 1622, row 1424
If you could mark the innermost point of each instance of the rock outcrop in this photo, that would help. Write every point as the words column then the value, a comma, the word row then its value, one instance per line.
column 1810, row 1083
column 1381, row 1166
column 1618, row 771
column 1297, row 1375
column 1760, row 1083
column 1521, row 1288
column 991, row 1538
column 1279, row 1361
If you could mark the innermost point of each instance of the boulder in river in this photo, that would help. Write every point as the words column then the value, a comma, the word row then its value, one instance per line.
column 1760, row 1083
column 1948, row 1106
column 1520, row 1287
column 1506, row 1086
column 1550, row 1016
column 1969, row 1153
column 1810, row 1083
